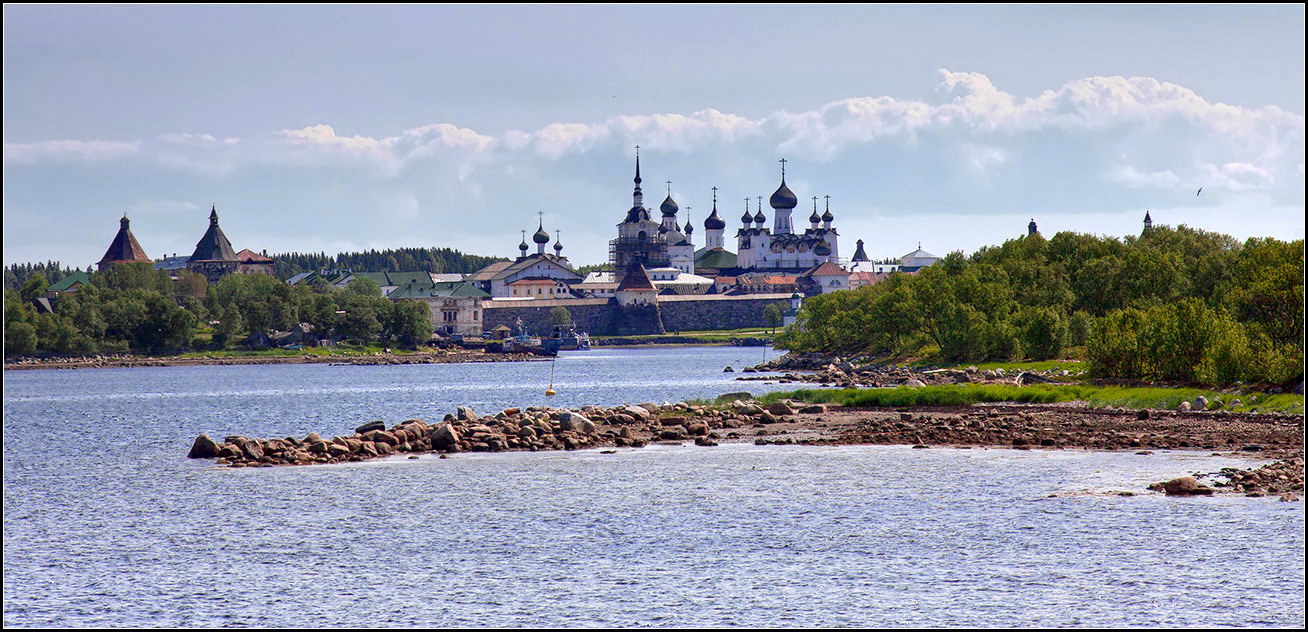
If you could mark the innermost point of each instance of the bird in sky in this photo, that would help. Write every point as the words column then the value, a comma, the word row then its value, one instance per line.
column 1201, row 190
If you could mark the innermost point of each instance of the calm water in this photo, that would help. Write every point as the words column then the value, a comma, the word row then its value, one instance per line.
column 107, row 524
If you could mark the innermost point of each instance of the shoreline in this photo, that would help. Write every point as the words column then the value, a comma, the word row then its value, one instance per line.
column 1266, row 436
column 443, row 356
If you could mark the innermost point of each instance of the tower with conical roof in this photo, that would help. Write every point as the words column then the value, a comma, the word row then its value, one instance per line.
column 123, row 249
column 1148, row 223
column 1031, row 228
column 859, row 255
column 213, row 256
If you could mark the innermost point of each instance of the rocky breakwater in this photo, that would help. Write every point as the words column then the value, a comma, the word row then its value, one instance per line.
column 532, row 429
column 1282, row 478
column 852, row 373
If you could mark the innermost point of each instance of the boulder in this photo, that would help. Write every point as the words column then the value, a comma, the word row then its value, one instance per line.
column 636, row 411
column 728, row 397
column 1183, row 407
column 204, row 448
column 252, row 450
column 914, row 383
column 465, row 412
column 813, row 409
column 370, row 426
column 444, row 437
column 1181, row 486
column 780, row 408
column 1200, row 403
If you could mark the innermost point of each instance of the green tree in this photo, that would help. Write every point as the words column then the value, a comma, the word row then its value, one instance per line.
column 559, row 316
column 772, row 316
column 34, row 288
column 410, row 322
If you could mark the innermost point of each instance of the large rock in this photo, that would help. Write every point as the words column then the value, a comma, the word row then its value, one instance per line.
column 780, row 408
column 729, row 397
column 914, row 383
column 1201, row 403
column 444, row 437
column 1181, row 486
column 637, row 412
column 465, row 412
column 1183, row 407
column 370, row 426
column 204, row 448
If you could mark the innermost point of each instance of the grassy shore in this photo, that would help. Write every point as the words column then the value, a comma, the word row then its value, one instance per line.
column 1096, row 396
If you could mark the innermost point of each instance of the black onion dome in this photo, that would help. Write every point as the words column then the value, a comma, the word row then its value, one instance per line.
column 558, row 246
column 783, row 198
column 822, row 249
column 745, row 219
column 714, row 222
column 541, row 237
column 813, row 219
column 523, row 246
column 760, row 217
column 827, row 216
column 690, row 229
column 669, row 207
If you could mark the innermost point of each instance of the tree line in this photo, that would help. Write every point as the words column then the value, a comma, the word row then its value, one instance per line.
column 439, row 260
column 1176, row 304
column 133, row 307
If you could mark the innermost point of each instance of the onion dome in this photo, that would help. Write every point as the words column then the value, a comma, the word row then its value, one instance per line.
column 663, row 228
column 523, row 246
column 783, row 198
column 827, row 216
column 813, row 219
column 714, row 221
column 541, row 237
column 558, row 247
column 668, row 207
column 760, row 217
column 822, row 249
column 745, row 219
column 690, row 228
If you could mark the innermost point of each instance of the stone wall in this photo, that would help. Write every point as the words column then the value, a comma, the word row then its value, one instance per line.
column 603, row 317
column 593, row 316
column 718, row 312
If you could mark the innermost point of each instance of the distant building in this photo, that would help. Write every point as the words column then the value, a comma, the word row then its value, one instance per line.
column 917, row 260
column 823, row 279
column 636, row 287
column 123, row 249
column 498, row 279
column 68, row 285
column 254, row 263
column 455, row 307
column 213, row 256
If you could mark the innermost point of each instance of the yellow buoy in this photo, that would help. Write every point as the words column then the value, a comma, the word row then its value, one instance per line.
column 550, row 391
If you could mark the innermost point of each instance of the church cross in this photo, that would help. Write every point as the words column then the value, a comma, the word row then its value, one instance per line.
column 783, row 168
column 828, row 197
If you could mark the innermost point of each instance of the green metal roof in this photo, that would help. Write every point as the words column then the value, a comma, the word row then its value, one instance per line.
column 69, row 281
column 716, row 258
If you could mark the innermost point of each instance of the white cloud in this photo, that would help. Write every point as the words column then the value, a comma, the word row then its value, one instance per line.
column 68, row 150
column 1134, row 178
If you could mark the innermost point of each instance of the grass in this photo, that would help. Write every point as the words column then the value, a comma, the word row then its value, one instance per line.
column 1097, row 396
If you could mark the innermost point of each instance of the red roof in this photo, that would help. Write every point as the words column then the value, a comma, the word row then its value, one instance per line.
column 124, row 248
column 779, row 280
column 636, row 279
column 249, row 256
column 826, row 269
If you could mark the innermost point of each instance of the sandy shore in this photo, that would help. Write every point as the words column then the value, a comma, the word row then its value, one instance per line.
column 444, row 356
column 1037, row 427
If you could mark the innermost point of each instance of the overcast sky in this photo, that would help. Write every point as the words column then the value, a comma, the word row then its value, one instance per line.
column 349, row 128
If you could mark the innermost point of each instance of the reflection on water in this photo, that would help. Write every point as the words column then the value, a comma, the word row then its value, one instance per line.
column 107, row 524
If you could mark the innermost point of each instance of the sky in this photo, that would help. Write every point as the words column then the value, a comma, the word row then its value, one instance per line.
column 347, row 128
